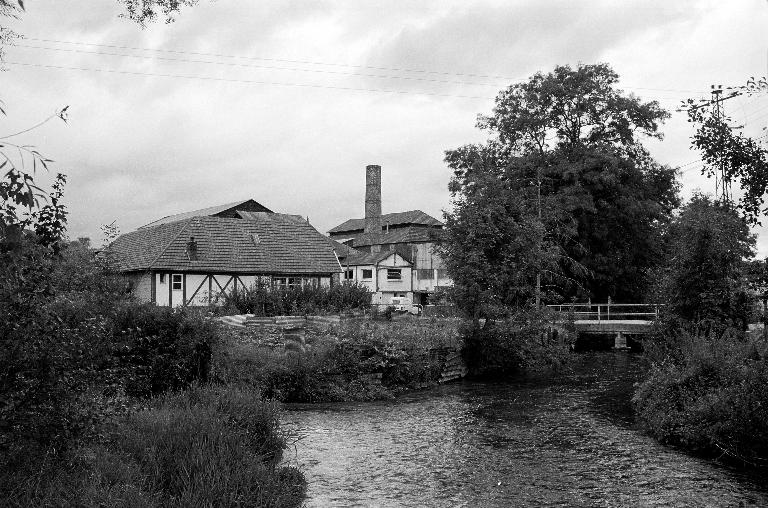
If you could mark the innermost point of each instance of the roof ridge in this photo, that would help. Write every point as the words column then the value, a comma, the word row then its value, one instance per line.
column 176, row 236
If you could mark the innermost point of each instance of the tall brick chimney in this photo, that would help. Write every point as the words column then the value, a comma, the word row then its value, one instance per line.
column 373, row 200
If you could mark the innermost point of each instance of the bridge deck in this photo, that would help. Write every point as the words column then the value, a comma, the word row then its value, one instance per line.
column 614, row 326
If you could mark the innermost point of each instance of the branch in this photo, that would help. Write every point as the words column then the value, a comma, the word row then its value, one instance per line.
column 58, row 114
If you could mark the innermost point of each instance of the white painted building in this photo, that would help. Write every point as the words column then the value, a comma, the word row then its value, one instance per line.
column 412, row 234
column 387, row 275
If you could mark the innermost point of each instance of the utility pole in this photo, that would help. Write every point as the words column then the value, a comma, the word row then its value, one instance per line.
column 717, row 112
column 538, row 199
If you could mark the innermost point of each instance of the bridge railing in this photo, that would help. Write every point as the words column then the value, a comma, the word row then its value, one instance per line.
column 610, row 311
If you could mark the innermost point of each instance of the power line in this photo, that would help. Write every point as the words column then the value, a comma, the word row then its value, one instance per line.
column 329, row 64
column 246, row 81
column 280, row 60
column 257, row 66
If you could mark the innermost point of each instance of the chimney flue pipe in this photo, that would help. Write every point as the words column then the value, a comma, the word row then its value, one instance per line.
column 373, row 200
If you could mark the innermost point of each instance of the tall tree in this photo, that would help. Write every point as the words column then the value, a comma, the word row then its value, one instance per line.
column 706, row 276
column 571, row 137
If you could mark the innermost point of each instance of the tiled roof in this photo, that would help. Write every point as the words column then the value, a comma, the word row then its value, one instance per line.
column 371, row 258
column 400, row 235
column 393, row 219
column 343, row 250
column 232, row 208
column 263, row 243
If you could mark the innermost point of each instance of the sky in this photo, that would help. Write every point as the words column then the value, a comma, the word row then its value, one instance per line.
column 287, row 102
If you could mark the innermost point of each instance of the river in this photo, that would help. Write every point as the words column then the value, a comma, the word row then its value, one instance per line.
column 567, row 441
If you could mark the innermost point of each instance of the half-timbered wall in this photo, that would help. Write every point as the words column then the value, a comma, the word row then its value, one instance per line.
column 177, row 288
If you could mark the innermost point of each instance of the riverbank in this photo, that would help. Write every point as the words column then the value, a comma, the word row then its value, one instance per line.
column 345, row 361
column 134, row 421
column 708, row 395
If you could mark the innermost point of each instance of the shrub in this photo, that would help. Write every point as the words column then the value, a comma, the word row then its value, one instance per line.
column 160, row 348
column 262, row 300
column 708, row 394
column 338, row 363
column 203, row 447
column 501, row 348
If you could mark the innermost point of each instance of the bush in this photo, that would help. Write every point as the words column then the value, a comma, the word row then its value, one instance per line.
column 202, row 447
column 339, row 362
column 708, row 394
column 160, row 348
column 502, row 348
column 263, row 300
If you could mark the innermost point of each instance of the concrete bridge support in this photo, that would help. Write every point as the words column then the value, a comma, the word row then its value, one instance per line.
column 620, row 342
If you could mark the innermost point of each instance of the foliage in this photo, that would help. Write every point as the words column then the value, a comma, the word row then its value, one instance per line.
column 707, row 393
column 263, row 300
column 574, row 137
column 741, row 159
column 342, row 362
column 202, row 447
column 704, row 280
column 160, row 349
column 514, row 345
column 144, row 11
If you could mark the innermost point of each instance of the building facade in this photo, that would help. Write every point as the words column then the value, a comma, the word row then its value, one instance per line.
column 194, row 258
column 412, row 235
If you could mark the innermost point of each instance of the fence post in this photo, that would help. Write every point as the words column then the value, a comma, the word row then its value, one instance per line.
column 609, row 309
column 598, row 312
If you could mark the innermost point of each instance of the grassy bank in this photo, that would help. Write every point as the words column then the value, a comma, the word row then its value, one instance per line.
column 117, row 409
column 708, row 394
column 205, row 446
column 358, row 360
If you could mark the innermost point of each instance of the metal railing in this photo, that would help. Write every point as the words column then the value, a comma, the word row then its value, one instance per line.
column 610, row 311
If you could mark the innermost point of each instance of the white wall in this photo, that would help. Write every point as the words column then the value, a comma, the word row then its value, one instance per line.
column 198, row 285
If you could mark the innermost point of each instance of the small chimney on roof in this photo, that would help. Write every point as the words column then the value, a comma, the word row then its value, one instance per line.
column 192, row 249
column 373, row 200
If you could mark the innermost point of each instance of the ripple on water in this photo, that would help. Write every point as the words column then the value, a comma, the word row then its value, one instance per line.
column 563, row 442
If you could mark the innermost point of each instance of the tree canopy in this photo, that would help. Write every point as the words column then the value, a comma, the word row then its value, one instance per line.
column 729, row 153
column 572, row 141
column 705, row 278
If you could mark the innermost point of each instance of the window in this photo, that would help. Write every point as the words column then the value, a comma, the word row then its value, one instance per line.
column 442, row 274
column 367, row 274
column 176, row 282
column 286, row 282
column 393, row 274
column 349, row 274
column 162, row 278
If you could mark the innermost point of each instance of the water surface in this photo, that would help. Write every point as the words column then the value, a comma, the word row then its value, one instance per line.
column 569, row 441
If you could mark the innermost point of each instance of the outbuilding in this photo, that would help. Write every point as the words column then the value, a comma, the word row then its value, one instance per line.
column 192, row 258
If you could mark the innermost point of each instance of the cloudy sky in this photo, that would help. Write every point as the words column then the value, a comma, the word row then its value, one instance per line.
column 286, row 102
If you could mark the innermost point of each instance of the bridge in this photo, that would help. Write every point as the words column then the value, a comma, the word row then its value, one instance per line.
column 617, row 319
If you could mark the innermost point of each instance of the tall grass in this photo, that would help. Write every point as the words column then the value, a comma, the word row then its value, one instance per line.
column 207, row 446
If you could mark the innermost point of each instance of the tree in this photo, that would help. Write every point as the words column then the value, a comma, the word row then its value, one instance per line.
column 737, row 158
column 143, row 11
column 572, row 142
column 494, row 242
column 705, row 279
